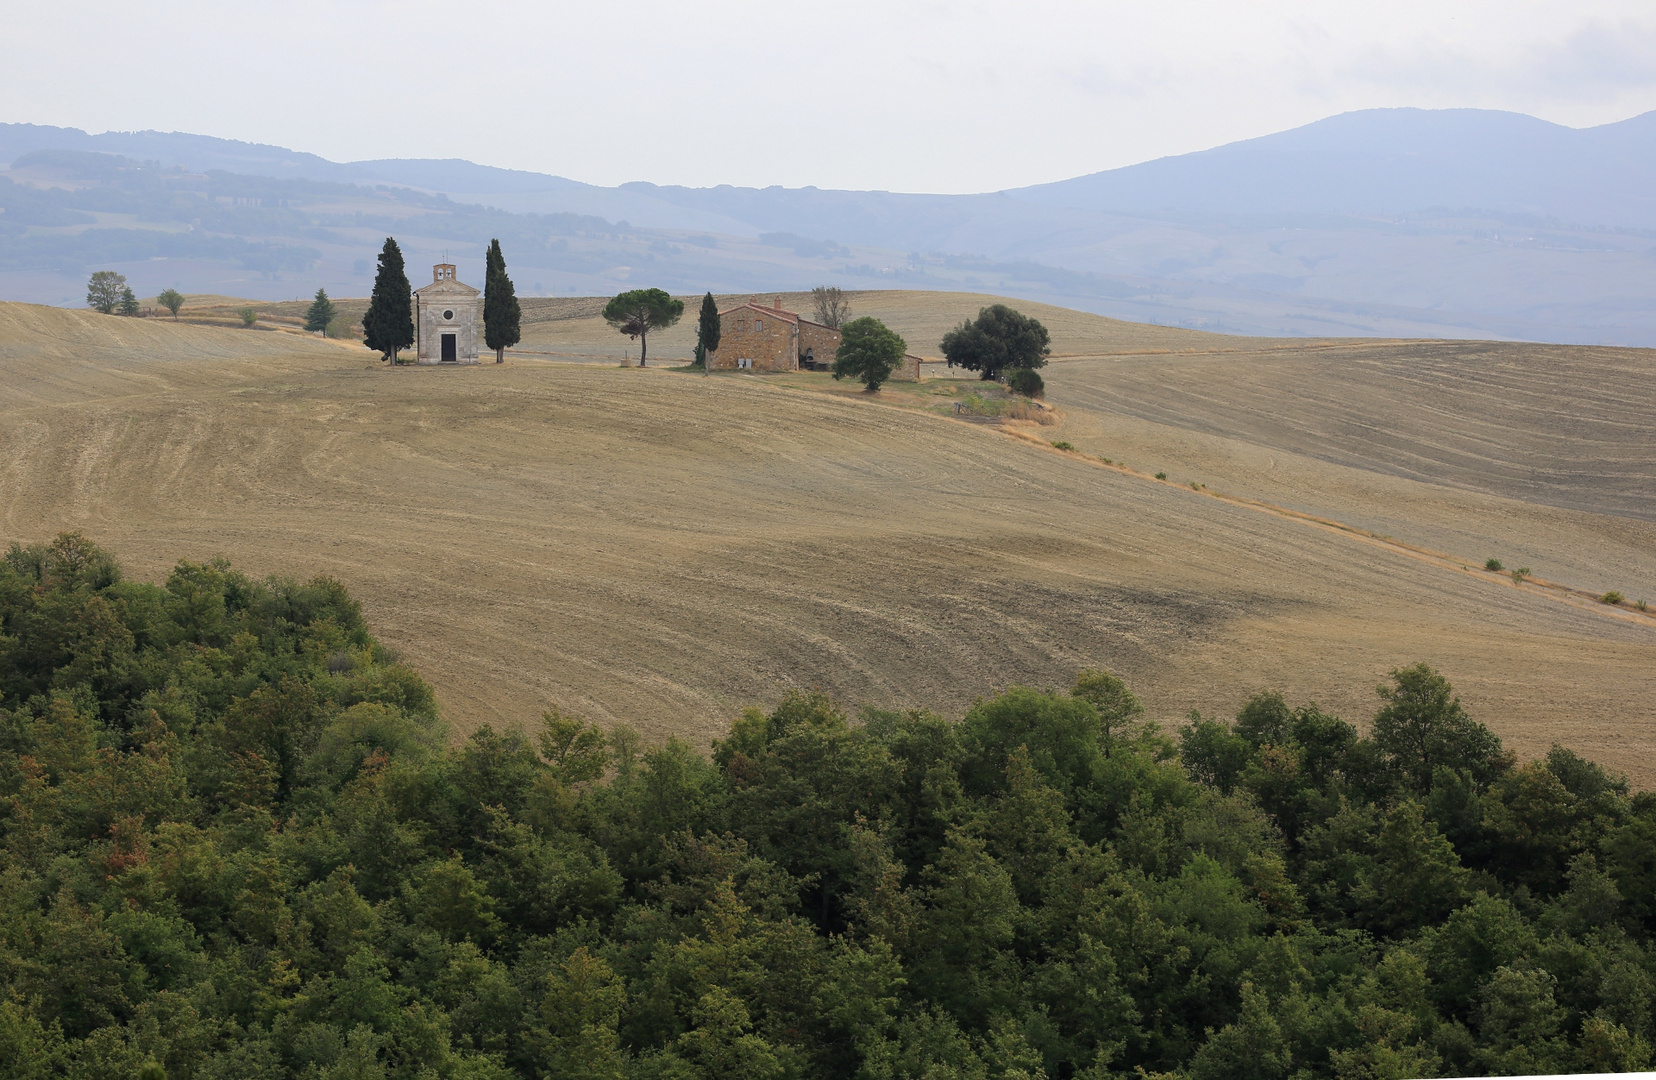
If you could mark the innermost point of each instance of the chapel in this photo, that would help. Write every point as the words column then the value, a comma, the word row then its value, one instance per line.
column 446, row 315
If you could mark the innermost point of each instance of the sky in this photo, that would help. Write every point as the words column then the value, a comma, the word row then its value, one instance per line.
column 948, row 96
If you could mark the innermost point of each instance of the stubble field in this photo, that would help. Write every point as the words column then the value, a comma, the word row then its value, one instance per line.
column 664, row 549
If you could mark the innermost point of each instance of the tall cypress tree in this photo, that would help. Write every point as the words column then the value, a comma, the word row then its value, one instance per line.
column 708, row 331
column 501, row 312
column 389, row 323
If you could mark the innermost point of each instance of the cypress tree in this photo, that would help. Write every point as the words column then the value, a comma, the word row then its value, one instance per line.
column 501, row 312
column 707, row 330
column 320, row 313
column 389, row 323
column 129, row 302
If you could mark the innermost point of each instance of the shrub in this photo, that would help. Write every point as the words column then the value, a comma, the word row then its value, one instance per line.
column 1062, row 446
column 338, row 327
column 1642, row 605
column 1520, row 574
column 1026, row 381
column 1106, row 461
column 1494, row 564
column 1612, row 597
column 1161, row 476
column 248, row 316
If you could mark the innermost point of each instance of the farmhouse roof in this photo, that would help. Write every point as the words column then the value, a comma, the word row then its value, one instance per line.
column 763, row 309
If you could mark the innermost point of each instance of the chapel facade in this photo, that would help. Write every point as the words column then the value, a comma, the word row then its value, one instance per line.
column 446, row 318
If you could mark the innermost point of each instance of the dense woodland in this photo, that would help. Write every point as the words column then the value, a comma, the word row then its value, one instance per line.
column 239, row 844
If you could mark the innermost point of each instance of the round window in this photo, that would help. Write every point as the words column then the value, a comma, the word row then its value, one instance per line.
column 448, row 314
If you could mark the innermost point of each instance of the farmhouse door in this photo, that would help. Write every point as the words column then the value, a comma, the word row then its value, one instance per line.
column 449, row 354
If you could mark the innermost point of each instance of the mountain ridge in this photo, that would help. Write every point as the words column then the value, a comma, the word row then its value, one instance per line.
column 1407, row 222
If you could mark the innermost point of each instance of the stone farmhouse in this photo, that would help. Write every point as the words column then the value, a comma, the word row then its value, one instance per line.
column 446, row 315
column 756, row 337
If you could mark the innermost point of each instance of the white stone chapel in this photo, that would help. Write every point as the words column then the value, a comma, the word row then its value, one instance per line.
column 446, row 317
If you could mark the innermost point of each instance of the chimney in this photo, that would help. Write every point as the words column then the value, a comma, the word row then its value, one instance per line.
column 778, row 304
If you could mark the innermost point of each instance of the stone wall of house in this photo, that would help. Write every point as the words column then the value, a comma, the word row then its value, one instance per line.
column 767, row 341
column 820, row 342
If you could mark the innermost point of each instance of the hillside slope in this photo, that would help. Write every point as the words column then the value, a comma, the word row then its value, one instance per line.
column 664, row 549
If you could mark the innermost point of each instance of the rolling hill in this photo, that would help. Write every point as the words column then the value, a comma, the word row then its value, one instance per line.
column 666, row 548
column 1393, row 222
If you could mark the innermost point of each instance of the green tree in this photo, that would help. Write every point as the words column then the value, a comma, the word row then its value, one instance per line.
column 104, row 289
column 388, row 325
column 502, row 314
column 581, row 1010
column 708, row 330
column 639, row 311
column 1422, row 726
column 868, row 351
column 320, row 313
column 248, row 316
column 129, row 301
column 998, row 340
column 172, row 300
column 1117, row 706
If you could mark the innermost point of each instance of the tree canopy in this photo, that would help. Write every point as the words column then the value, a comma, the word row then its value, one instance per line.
column 868, row 351
column 172, row 300
column 320, row 313
column 998, row 340
column 638, row 312
column 502, row 314
column 388, row 325
column 237, row 841
column 104, row 289
column 129, row 301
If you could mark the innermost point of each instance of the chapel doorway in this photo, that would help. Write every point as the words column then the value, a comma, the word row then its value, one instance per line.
column 450, row 354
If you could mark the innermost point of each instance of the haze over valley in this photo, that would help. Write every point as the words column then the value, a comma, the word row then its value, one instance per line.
column 1390, row 222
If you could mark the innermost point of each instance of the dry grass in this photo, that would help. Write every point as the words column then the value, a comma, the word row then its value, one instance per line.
column 665, row 548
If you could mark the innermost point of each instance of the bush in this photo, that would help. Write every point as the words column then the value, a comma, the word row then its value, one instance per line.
column 1642, row 605
column 338, row 327
column 1161, row 476
column 1520, row 574
column 1612, row 597
column 248, row 316
column 1026, row 381
column 1062, row 446
column 1494, row 564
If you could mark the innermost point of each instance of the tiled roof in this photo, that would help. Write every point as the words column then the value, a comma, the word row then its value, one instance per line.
column 768, row 312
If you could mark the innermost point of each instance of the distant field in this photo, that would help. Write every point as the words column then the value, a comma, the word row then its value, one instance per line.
column 664, row 548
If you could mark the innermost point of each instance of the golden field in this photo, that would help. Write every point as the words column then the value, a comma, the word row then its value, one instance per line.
column 665, row 548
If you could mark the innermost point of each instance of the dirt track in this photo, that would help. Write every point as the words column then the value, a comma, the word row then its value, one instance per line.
column 664, row 549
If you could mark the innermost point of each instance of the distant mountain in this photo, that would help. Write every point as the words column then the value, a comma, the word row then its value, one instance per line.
column 1449, row 223
column 1388, row 161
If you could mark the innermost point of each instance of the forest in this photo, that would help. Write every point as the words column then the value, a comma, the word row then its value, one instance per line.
column 237, row 842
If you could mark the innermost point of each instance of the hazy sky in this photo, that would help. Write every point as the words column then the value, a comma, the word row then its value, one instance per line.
column 946, row 96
